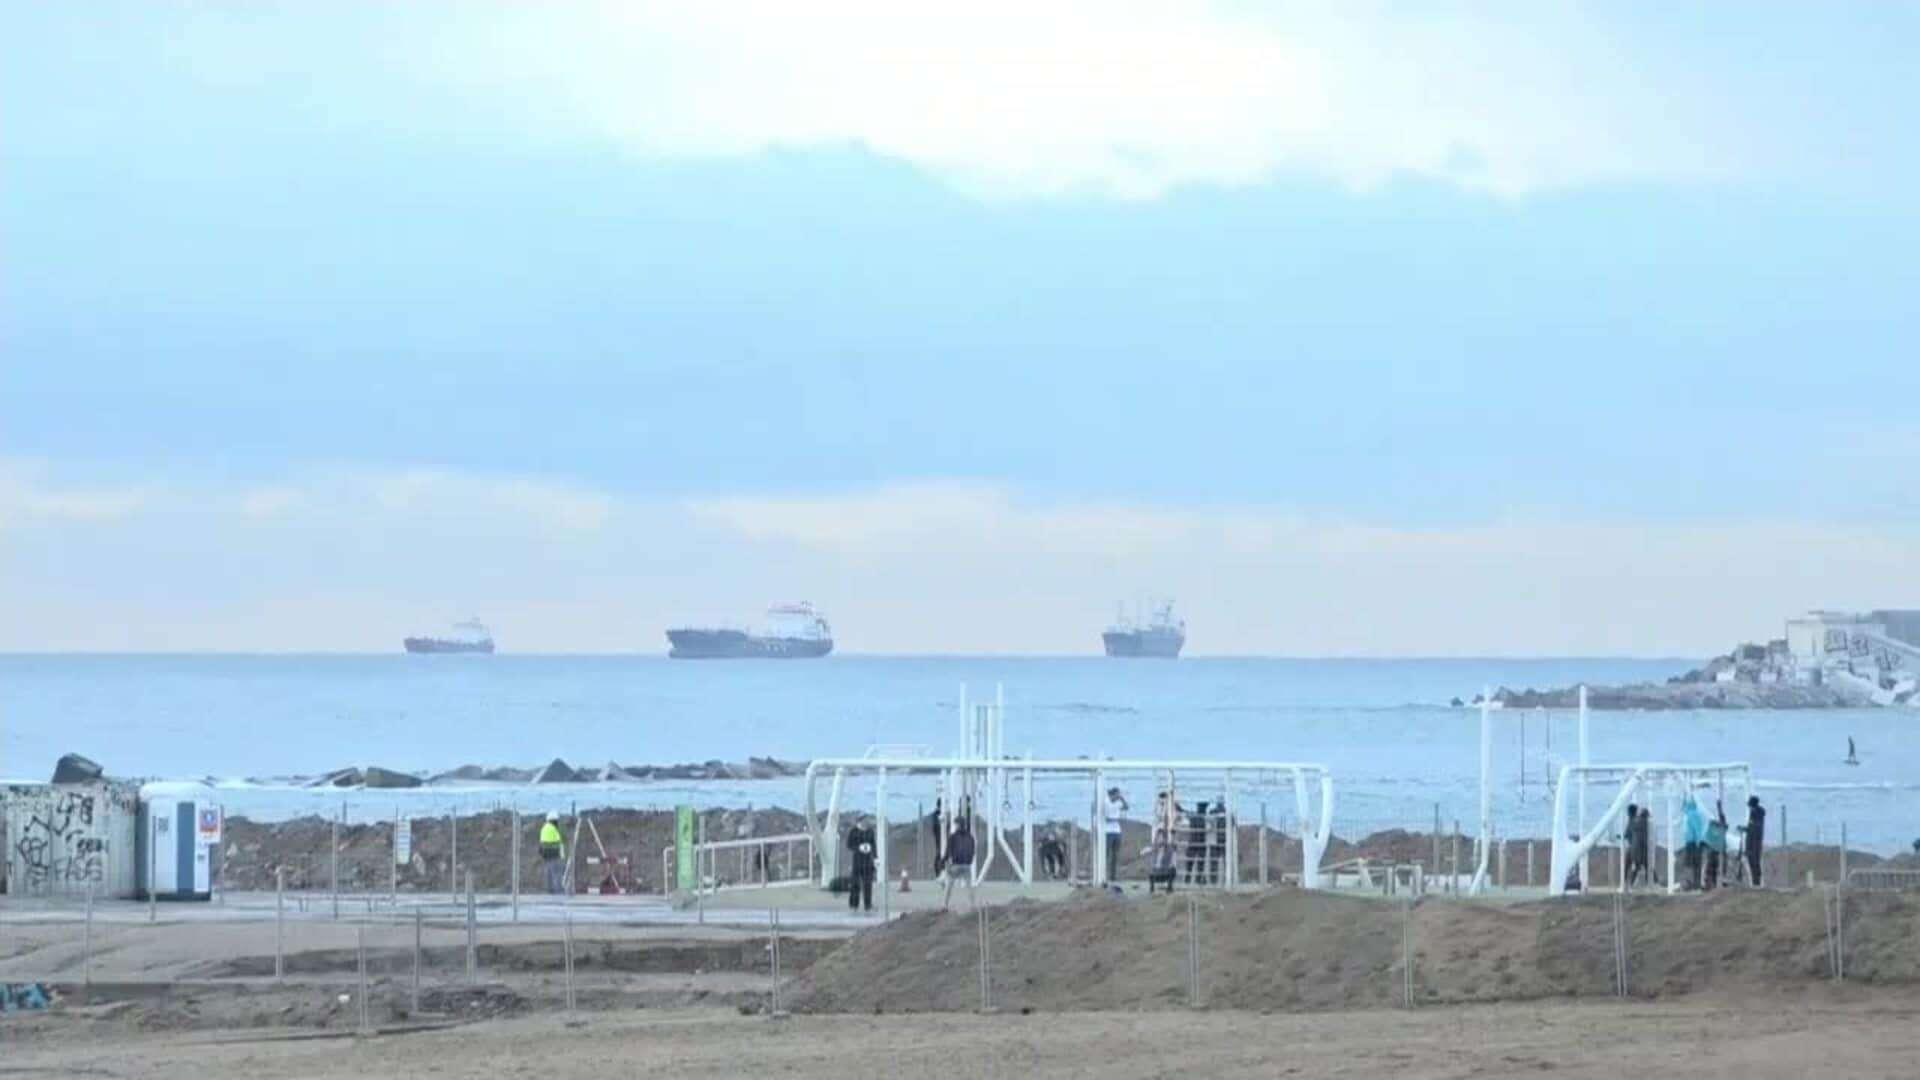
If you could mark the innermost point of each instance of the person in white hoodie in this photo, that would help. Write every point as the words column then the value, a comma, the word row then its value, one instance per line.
column 1114, row 816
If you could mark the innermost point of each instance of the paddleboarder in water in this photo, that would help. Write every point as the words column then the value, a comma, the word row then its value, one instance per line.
column 1853, row 757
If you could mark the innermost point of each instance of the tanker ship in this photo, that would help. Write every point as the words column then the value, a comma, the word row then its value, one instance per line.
column 794, row 632
column 1158, row 636
column 467, row 637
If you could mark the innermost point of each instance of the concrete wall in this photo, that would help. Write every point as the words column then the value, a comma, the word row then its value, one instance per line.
column 1901, row 625
column 61, row 839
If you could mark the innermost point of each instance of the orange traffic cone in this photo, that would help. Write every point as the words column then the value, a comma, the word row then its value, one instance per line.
column 906, row 883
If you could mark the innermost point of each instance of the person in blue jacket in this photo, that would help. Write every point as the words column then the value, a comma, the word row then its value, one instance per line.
column 1695, row 825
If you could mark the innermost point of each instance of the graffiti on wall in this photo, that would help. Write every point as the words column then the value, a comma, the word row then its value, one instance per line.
column 24, row 997
column 57, row 842
column 57, row 839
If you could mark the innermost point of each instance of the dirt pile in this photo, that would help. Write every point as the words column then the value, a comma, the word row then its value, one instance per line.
column 1288, row 949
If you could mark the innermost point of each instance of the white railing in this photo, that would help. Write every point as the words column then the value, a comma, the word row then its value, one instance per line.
column 754, row 862
column 1875, row 878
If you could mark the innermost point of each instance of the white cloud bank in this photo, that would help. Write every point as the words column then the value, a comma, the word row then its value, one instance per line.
column 1129, row 99
column 1009, row 99
column 354, row 560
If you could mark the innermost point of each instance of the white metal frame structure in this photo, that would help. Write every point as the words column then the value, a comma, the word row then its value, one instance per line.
column 1484, row 856
column 1674, row 781
column 980, row 779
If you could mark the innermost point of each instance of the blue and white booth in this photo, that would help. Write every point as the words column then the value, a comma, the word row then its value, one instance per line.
column 179, row 840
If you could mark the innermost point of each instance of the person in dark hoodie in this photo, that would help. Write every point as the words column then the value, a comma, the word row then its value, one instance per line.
column 1196, row 854
column 1756, row 832
column 1629, row 835
column 959, row 864
column 864, row 845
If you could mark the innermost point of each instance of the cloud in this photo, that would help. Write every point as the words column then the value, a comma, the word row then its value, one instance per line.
column 1008, row 99
column 1127, row 99
column 28, row 499
column 353, row 559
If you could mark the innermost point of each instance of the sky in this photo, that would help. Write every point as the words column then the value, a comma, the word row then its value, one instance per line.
column 1357, row 328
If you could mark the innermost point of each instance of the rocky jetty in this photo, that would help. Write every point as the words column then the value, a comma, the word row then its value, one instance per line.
column 556, row 771
column 1686, row 695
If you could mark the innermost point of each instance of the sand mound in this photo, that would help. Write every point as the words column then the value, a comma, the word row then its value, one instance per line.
column 1288, row 949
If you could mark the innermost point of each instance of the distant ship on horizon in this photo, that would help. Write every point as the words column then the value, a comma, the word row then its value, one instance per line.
column 471, row 636
column 794, row 632
column 1158, row 636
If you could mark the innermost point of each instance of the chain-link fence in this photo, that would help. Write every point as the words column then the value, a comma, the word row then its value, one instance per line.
column 321, row 945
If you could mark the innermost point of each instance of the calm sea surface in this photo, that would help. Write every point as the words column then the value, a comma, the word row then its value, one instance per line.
column 1382, row 726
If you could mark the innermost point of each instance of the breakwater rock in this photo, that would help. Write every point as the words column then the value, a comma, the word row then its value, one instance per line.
column 1687, row 695
column 556, row 771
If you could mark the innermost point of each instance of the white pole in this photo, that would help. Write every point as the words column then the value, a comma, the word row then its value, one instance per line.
column 1672, row 835
column 1485, row 843
column 880, row 838
column 1026, row 827
column 1586, row 860
column 1099, row 828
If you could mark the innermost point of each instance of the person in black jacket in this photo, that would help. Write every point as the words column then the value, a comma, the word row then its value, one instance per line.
column 1756, row 832
column 864, row 845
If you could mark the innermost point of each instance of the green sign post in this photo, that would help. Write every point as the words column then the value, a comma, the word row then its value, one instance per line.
column 685, row 874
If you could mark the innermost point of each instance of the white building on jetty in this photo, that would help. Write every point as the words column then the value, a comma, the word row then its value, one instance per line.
column 1877, row 652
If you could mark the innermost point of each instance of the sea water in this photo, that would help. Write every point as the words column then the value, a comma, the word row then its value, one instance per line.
column 1398, row 752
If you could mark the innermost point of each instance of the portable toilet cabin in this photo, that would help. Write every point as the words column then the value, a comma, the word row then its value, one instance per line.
column 179, row 841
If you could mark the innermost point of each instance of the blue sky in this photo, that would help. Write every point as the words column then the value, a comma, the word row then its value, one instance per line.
column 1335, row 321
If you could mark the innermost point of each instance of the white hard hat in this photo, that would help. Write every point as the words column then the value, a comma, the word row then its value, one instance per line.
column 553, row 815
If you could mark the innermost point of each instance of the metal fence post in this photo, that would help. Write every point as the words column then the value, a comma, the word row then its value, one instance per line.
column 1436, row 837
column 333, row 863
column 1843, row 853
column 986, row 963
column 1786, row 854
column 419, row 920
column 1529, row 863
column 569, row 947
column 453, row 856
column 87, row 945
column 473, row 951
column 773, row 947
column 1453, row 868
column 1193, row 952
column 279, row 922
column 366, row 1022
column 514, row 869
column 1263, row 845
column 396, row 856
column 1406, row 954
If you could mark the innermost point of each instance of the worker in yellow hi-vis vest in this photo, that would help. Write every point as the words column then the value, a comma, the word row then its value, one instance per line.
column 553, row 854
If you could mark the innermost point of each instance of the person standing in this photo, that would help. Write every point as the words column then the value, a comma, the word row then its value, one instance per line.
column 1716, row 844
column 1696, row 837
column 933, row 830
column 553, row 854
column 862, row 841
column 1756, row 832
column 1217, row 844
column 1630, row 835
column 959, row 864
column 1160, row 863
column 1114, row 818
column 1643, row 840
column 1196, row 853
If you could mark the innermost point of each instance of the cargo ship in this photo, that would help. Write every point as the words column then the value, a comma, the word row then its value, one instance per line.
column 1157, row 636
column 467, row 637
column 794, row 632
